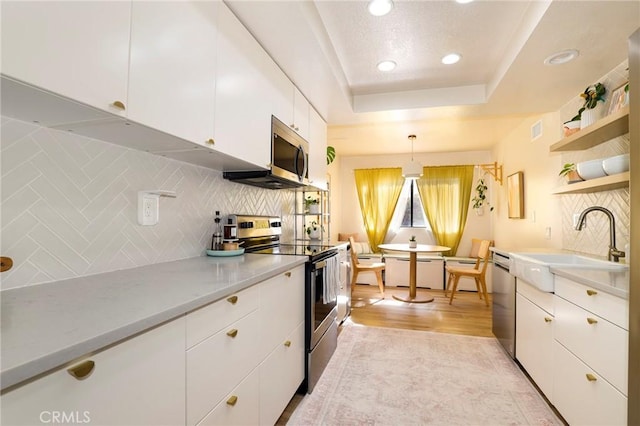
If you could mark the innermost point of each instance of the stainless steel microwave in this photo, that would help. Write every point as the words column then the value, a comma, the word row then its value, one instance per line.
column 289, row 161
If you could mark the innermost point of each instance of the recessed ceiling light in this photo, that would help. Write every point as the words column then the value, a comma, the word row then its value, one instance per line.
column 451, row 58
column 386, row 66
column 380, row 7
column 562, row 57
column 463, row 1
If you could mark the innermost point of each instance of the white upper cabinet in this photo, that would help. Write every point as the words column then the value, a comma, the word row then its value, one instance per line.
column 76, row 49
column 172, row 71
column 317, row 150
column 243, row 104
column 300, row 114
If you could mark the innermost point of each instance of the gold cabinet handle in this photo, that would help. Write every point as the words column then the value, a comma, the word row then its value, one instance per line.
column 591, row 377
column 232, row 400
column 211, row 142
column 591, row 292
column 233, row 300
column 232, row 333
column 287, row 343
column 82, row 370
column 592, row 320
column 547, row 319
column 118, row 105
column 6, row 263
column 287, row 274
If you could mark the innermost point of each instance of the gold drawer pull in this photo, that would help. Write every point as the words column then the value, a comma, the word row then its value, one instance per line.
column 5, row 263
column 211, row 142
column 591, row 292
column 82, row 370
column 232, row 333
column 547, row 319
column 287, row 343
column 232, row 300
column 119, row 105
column 232, row 401
column 591, row 377
column 592, row 320
column 287, row 274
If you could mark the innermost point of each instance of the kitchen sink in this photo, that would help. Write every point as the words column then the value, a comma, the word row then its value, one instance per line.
column 535, row 268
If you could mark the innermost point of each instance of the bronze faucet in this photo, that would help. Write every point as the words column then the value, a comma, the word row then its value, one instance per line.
column 614, row 253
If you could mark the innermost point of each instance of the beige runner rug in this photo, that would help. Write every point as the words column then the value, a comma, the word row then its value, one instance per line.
column 384, row 376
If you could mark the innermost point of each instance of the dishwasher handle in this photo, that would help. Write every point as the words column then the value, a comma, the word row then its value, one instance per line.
column 501, row 261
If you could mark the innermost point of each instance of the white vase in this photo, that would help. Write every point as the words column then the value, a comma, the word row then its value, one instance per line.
column 413, row 244
column 314, row 234
column 590, row 116
column 314, row 208
column 479, row 211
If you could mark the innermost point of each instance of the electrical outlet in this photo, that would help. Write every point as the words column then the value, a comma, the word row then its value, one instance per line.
column 148, row 206
column 576, row 216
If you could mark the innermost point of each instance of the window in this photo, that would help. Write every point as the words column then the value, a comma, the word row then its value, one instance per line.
column 410, row 204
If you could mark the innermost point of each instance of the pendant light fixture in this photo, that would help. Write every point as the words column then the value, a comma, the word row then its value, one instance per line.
column 412, row 169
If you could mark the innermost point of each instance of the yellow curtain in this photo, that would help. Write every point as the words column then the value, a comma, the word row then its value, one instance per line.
column 445, row 193
column 378, row 193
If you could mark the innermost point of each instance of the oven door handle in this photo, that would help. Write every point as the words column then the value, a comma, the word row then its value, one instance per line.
column 320, row 265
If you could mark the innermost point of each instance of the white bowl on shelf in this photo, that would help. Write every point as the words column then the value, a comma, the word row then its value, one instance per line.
column 615, row 165
column 591, row 169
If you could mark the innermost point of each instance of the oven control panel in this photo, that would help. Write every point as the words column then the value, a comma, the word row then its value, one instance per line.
column 255, row 226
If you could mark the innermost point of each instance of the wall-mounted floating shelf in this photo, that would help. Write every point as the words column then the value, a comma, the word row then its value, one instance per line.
column 605, row 129
column 494, row 170
column 620, row 180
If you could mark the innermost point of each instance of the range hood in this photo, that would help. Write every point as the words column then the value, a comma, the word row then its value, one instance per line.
column 262, row 179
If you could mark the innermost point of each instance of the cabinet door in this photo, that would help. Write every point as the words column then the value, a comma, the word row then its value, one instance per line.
column 534, row 343
column 582, row 396
column 76, row 49
column 172, row 72
column 300, row 114
column 317, row 150
column 243, row 106
column 280, row 375
column 138, row 382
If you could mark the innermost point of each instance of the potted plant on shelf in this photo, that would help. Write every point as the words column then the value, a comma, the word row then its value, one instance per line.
column 480, row 199
column 569, row 171
column 593, row 106
column 412, row 242
column 313, row 231
column 331, row 154
column 312, row 205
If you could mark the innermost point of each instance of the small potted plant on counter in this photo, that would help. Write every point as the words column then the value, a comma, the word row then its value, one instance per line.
column 412, row 242
column 312, row 205
column 570, row 173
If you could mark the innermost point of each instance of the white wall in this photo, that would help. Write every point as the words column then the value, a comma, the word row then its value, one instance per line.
column 349, row 219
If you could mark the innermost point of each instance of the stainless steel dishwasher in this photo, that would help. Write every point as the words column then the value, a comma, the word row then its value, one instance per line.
column 504, row 302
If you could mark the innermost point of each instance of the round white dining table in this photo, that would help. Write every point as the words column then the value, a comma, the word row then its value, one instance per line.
column 413, row 262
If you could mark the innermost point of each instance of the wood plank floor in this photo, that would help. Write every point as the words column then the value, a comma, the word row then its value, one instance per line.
column 467, row 315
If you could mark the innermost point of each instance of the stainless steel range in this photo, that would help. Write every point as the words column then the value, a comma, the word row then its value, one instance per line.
column 261, row 235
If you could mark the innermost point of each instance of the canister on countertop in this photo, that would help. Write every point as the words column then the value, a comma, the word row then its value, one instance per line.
column 216, row 239
column 230, row 232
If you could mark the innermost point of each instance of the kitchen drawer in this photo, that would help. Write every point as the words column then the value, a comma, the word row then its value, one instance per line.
column 281, row 307
column 582, row 401
column 597, row 342
column 543, row 299
column 280, row 376
column 239, row 407
column 612, row 308
column 216, row 365
column 136, row 382
column 210, row 319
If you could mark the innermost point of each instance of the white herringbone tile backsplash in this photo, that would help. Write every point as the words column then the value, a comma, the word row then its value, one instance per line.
column 69, row 205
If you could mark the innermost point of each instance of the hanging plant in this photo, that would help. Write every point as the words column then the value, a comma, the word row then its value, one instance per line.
column 480, row 198
column 331, row 154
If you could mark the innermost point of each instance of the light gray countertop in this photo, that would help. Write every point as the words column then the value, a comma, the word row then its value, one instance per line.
column 615, row 282
column 45, row 326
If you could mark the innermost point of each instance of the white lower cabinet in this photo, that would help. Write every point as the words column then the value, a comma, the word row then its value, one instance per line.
column 140, row 381
column 582, row 396
column 591, row 354
column 534, row 335
column 280, row 375
column 239, row 407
